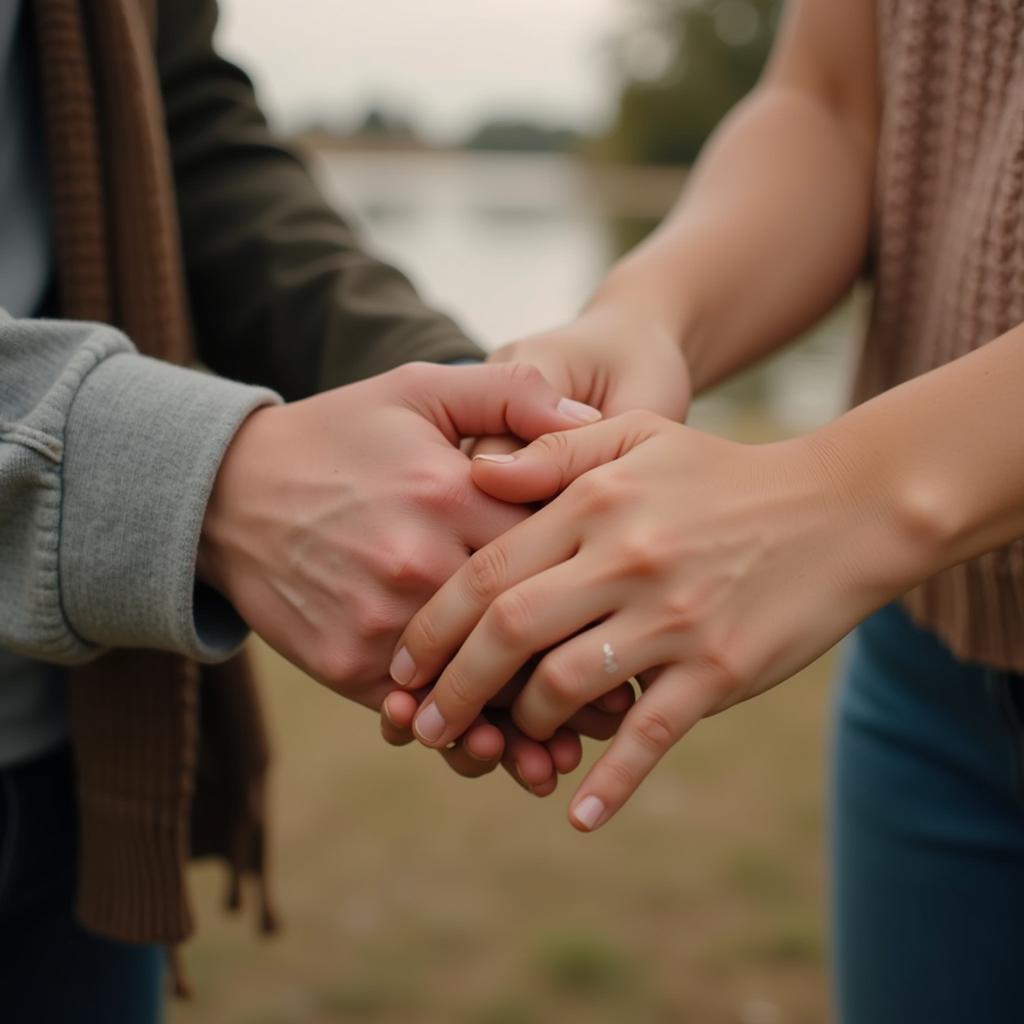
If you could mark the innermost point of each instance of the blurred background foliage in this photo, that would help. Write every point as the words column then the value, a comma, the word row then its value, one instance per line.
column 684, row 64
column 679, row 66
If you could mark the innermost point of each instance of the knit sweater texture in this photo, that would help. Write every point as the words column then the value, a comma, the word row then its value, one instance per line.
column 180, row 220
column 949, row 253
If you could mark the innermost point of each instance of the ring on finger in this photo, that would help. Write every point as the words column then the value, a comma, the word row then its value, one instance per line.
column 611, row 664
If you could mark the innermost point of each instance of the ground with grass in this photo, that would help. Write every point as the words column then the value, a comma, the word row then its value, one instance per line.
column 412, row 895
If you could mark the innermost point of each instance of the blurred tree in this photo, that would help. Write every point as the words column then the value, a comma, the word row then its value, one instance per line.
column 520, row 135
column 683, row 65
column 380, row 122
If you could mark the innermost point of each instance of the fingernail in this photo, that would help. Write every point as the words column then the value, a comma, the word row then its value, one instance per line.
column 590, row 812
column 494, row 458
column 403, row 668
column 430, row 724
column 578, row 411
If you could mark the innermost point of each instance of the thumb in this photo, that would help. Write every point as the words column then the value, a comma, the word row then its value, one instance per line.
column 545, row 468
column 496, row 398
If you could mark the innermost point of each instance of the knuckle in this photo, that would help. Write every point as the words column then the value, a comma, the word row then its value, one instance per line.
column 641, row 419
column 486, row 572
column 724, row 673
column 596, row 491
column 408, row 565
column 624, row 777
column 559, row 678
column 425, row 480
column 623, row 482
column 524, row 374
column 375, row 622
column 337, row 668
column 639, row 554
column 421, row 637
column 511, row 618
column 441, row 491
column 553, row 445
column 456, row 689
column 532, row 726
column 654, row 732
column 682, row 611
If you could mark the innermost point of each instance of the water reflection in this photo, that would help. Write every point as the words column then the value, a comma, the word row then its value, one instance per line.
column 511, row 244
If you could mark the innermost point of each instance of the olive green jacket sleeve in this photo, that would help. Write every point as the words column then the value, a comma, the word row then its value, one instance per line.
column 283, row 292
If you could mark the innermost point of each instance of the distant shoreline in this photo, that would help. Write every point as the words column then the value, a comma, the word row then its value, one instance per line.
column 629, row 190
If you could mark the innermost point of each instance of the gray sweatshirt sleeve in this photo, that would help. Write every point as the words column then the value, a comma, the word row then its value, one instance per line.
column 106, row 463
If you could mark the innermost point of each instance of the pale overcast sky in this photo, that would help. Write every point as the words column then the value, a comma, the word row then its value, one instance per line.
column 450, row 62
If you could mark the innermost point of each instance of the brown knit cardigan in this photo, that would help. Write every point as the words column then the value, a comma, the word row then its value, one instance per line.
column 165, row 768
column 949, row 253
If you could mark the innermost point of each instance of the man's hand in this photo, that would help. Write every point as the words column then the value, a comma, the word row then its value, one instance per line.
column 534, row 765
column 332, row 520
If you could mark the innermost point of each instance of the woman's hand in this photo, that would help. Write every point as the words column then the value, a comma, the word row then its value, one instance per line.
column 711, row 570
column 612, row 357
column 616, row 359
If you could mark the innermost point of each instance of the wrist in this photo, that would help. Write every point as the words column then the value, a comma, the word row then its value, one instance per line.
column 228, row 494
column 637, row 293
column 896, row 521
column 654, row 305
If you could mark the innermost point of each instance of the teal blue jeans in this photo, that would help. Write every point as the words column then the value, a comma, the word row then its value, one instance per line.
column 52, row 971
column 928, row 833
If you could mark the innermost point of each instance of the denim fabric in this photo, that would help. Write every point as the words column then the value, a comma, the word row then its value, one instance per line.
column 51, row 970
column 928, row 833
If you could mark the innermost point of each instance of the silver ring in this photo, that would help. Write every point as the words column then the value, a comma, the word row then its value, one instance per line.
column 611, row 666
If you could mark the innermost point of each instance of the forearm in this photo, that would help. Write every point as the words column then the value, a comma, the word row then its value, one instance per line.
column 773, row 225
column 769, row 233
column 941, row 457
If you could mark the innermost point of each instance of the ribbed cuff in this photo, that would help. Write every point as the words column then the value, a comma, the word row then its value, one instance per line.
column 143, row 443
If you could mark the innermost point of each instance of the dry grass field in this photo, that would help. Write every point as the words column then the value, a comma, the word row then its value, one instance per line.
column 412, row 895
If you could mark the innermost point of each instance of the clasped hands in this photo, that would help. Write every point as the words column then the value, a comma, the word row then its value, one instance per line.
column 352, row 532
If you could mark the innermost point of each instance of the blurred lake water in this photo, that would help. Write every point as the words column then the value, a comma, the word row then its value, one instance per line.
column 515, row 243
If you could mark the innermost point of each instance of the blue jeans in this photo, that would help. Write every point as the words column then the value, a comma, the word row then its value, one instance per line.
column 928, row 834
column 52, row 971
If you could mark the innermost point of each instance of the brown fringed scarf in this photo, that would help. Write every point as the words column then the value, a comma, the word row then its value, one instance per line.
column 168, row 765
